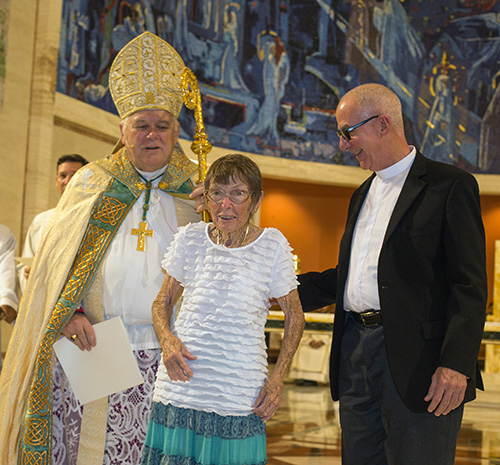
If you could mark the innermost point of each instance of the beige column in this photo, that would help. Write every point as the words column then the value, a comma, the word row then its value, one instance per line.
column 19, row 27
column 40, row 172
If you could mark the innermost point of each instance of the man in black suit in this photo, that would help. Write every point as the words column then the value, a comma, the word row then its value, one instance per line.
column 410, row 291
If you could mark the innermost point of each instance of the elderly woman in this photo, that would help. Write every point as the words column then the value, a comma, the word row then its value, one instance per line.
column 213, row 393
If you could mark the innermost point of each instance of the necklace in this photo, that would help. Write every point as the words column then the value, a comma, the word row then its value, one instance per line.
column 142, row 232
column 218, row 237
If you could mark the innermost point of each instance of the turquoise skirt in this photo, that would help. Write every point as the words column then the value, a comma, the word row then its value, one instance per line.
column 178, row 436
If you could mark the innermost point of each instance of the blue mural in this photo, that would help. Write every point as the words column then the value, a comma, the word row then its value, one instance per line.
column 271, row 72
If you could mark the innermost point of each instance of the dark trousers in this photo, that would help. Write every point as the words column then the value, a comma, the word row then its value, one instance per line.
column 377, row 428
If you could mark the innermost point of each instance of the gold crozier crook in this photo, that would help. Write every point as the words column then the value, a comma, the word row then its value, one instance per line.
column 200, row 145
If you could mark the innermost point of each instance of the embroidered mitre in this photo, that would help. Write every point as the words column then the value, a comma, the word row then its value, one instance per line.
column 146, row 75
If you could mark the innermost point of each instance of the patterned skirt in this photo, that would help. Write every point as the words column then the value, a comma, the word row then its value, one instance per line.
column 178, row 436
column 128, row 416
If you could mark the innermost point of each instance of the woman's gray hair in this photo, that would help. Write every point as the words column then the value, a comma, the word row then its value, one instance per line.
column 236, row 167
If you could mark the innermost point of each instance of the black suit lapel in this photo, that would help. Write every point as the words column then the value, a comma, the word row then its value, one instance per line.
column 411, row 188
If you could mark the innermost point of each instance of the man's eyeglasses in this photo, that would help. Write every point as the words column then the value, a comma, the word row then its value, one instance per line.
column 346, row 133
column 236, row 197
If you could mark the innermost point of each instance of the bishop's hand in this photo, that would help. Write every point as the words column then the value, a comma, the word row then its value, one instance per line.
column 79, row 331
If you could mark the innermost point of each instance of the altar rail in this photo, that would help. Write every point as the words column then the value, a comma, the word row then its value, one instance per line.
column 323, row 323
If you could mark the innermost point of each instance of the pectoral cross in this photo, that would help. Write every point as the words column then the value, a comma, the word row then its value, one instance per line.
column 142, row 232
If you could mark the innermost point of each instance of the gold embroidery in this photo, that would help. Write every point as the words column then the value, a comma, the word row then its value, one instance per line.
column 37, row 431
column 60, row 312
column 38, row 400
column 34, row 458
column 145, row 75
column 149, row 98
column 39, row 396
column 85, row 260
column 179, row 170
column 110, row 211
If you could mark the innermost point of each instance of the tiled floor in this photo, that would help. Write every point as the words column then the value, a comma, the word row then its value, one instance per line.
column 305, row 430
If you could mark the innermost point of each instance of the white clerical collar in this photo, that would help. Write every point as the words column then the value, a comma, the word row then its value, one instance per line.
column 148, row 175
column 398, row 168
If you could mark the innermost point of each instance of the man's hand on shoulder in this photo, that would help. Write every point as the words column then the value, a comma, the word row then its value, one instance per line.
column 198, row 194
column 446, row 392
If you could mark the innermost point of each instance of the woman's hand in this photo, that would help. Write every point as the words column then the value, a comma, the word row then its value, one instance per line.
column 269, row 398
column 174, row 352
column 174, row 358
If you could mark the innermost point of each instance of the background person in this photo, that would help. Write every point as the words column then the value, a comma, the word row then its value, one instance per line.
column 212, row 395
column 8, row 294
column 67, row 166
column 410, row 290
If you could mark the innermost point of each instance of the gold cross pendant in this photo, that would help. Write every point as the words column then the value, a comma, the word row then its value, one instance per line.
column 142, row 232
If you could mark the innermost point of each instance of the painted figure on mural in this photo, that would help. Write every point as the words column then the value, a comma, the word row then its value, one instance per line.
column 165, row 28
column 181, row 35
column 230, row 70
column 275, row 74
column 360, row 34
column 490, row 132
column 398, row 41
column 136, row 19
column 438, row 137
column 471, row 69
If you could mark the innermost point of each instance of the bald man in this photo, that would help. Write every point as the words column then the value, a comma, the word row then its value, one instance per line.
column 410, row 291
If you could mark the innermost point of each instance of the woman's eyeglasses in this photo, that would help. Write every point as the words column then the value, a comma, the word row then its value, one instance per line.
column 236, row 197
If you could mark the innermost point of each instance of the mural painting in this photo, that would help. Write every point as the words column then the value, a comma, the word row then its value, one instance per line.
column 271, row 72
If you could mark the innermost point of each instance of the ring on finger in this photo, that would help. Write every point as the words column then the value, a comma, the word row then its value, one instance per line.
column 73, row 337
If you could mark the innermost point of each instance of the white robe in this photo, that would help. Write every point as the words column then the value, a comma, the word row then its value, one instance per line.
column 8, row 295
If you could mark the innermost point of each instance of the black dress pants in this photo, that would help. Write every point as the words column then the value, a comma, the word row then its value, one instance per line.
column 377, row 428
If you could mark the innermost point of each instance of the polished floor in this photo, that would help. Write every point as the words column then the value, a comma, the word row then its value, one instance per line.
column 305, row 430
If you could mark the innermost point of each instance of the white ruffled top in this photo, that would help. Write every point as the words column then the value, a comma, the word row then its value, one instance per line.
column 222, row 317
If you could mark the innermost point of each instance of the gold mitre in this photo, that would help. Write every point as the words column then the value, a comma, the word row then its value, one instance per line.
column 146, row 75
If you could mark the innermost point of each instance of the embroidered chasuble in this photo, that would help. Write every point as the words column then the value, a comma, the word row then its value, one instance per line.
column 87, row 218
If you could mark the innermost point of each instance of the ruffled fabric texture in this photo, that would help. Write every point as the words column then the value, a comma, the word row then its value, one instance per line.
column 222, row 317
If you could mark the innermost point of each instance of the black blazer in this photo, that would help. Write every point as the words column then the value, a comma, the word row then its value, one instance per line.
column 431, row 280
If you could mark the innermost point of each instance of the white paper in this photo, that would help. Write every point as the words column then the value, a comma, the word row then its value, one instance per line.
column 108, row 368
